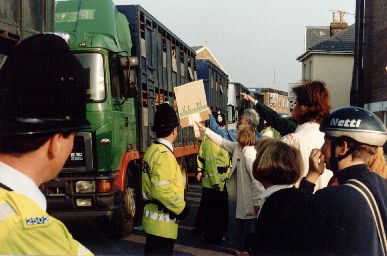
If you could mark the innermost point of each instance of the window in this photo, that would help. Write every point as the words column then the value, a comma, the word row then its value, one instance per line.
column 93, row 64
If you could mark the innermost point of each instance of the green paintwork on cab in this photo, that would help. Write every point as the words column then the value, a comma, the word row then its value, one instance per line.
column 96, row 26
column 93, row 23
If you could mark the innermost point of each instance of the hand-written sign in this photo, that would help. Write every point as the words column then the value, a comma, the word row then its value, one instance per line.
column 191, row 103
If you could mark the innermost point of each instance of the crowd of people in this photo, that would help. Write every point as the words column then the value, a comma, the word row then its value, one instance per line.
column 314, row 185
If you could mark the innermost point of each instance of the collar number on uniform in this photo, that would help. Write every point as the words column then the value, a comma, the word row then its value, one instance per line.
column 37, row 220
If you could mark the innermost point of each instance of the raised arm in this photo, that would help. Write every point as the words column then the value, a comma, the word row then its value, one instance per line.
column 224, row 133
column 282, row 125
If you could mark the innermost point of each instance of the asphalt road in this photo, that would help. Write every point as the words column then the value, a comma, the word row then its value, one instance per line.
column 188, row 243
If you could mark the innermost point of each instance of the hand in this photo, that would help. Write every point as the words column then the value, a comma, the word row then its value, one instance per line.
column 247, row 97
column 181, row 215
column 316, row 165
column 256, row 210
column 202, row 128
column 199, row 176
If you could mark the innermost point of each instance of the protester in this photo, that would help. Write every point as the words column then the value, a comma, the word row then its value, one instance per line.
column 242, row 184
column 377, row 163
column 311, row 107
column 350, row 218
column 249, row 117
column 283, row 125
column 163, row 186
column 277, row 166
column 269, row 131
column 213, row 164
column 43, row 104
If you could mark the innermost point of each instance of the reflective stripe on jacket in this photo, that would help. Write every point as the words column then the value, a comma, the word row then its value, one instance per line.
column 210, row 157
column 162, row 180
column 28, row 229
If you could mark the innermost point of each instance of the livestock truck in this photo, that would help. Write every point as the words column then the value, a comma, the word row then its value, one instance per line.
column 20, row 19
column 133, row 62
column 215, row 84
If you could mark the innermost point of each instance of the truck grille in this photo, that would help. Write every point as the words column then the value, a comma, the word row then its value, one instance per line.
column 81, row 156
column 77, row 157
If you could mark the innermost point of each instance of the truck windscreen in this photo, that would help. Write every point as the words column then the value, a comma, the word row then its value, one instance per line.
column 93, row 62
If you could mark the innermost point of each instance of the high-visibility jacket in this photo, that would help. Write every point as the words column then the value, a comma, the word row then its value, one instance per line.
column 28, row 230
column 210, row 158
column 162, row 181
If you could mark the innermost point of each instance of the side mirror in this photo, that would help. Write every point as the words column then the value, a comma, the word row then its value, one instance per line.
column 128, row 76
column 128, row 62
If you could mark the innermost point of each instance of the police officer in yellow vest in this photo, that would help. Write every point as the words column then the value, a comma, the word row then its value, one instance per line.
column 42, row 102
column 163, row 186
column 213, row 164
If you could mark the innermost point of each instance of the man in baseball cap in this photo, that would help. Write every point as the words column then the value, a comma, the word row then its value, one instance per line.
column 42, row 102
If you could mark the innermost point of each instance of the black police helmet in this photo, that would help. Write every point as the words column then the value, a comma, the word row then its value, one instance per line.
column 357, row 123
column 42, row 88
column 165, row 118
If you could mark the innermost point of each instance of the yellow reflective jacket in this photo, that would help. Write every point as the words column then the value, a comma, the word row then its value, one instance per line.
column 162, row 180
column 210, row 157
column 27, row 229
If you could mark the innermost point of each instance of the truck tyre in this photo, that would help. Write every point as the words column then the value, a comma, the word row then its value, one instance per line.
column 121, row 223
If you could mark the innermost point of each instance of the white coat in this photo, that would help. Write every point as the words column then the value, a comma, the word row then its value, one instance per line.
column 307, row 137
column 242, row 186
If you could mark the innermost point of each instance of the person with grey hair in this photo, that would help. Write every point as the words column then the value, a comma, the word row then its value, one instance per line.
column 249, row 117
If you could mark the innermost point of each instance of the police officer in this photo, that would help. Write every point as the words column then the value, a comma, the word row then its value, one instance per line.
column 213, row 164
column 42, row 102
column 163, row 186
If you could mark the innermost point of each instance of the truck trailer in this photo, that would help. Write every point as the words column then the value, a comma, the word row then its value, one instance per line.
column 215, row 84
column 134, row 62
column 20, row 19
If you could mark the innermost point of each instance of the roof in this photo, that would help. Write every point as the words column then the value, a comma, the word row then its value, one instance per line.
column 315, row 34
column 342, row 42
column 202, row 52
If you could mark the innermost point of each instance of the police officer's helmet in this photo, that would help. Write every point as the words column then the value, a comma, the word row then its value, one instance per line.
column 356, row 123
column 165, row 118
column 220, row 118
column 42, row 88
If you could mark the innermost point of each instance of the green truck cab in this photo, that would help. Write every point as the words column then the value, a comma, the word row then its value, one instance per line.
column 132, row 68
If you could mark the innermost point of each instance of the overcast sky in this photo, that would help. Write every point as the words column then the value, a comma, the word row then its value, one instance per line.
column 252, row 39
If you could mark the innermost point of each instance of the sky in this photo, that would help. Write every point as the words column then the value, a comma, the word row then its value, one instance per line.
column 256, row 41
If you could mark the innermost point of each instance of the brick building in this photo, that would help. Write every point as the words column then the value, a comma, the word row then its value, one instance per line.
column 374, row 93
column 276, row 99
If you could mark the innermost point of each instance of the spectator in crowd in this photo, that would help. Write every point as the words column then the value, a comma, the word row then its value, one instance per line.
column 269, row 131
column 242, row 184
column 249, row 117
column 311, row 107
column 377, row 163
column 277, row 166
column 350, row 218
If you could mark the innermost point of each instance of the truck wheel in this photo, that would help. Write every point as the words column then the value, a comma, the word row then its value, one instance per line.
column 121, row 223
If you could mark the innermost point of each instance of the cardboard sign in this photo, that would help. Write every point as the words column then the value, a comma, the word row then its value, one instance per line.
column 191, row 103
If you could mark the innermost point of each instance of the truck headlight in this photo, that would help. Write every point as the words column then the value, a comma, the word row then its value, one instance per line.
column 85, row 186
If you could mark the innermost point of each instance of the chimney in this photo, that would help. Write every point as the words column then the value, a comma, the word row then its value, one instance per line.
column 338, row 23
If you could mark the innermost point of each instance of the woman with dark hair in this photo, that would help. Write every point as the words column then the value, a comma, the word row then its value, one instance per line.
column 302, row 130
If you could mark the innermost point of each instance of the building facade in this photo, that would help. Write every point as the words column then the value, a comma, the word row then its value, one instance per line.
column 331, row 60
column 275, row 99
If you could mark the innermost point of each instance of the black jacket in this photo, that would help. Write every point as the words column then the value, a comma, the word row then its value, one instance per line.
column 334, row 221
